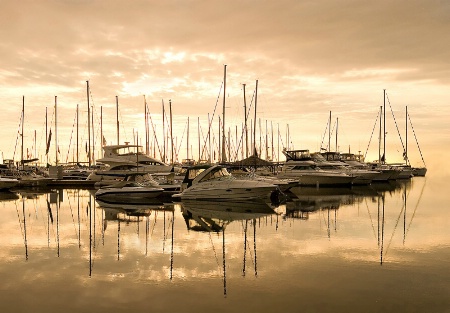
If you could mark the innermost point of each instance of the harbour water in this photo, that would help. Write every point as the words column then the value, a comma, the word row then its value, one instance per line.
column 383, row 248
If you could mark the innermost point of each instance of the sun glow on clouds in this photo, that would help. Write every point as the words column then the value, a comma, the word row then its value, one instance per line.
column 372, row 72
column 170, row 57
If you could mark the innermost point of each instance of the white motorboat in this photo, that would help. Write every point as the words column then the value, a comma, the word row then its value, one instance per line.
column 283, row 184
column 116, row 155
column 300, row 166
column 7, row 183
column 128, row 192
column 206, row 182
column 330, row 161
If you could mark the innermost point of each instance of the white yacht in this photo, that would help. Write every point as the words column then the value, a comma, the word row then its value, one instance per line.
column 7, row 183
column 117, row 155
column 128, row 192
column 214, row 182
column 331, row 161
column 300, row 166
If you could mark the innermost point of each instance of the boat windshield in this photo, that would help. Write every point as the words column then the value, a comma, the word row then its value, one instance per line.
column 215, row 174
column 129, row 150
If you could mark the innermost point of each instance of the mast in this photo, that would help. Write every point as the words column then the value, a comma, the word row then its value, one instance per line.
column 93, row 137
column 23, row 118
column 198, row 134
column 329, row 133
column 224, row 157
column 187, row 144
column 46, row 135
column 379, row 138
column 337, row 125
column 254, row 121
column 384, row 125
column 89, row 124
column 56, row 131
column 101, row 127
column 245, row 124
column 77, row 133
column 117, row 118
column 267, row 143
column 146, row 127
column 405, row 156
column 171, row 133
column 164, row 132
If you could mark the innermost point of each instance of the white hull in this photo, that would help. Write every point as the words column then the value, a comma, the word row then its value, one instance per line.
column 128, row 194
column 6, row 183
column 237, row 193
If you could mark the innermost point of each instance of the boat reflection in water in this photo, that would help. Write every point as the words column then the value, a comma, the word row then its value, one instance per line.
column 134, row 213
column 215, row 216
column 306, row 200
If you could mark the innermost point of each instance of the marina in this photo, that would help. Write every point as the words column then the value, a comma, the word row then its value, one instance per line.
column 225, row 156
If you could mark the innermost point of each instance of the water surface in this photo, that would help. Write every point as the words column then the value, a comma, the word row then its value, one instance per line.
column 383, row 248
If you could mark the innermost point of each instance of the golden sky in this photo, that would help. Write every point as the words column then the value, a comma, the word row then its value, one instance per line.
column 310, row 58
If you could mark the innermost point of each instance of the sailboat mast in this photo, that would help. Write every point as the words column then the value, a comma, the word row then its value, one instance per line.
column 187, row 140
column 101, row 127
column 23, row 117
column 198, row 134
column 89, row 124
column 245, row 124
column 164, row 131
column 46, row 135
column 254, row 121
column 171, row 133
column 224, row 157
column 146, row 127
column 56, row 130
column 406, row 140
column 329, row 133
column 117, row 118
column 384, row 125
column 337, row 125
column 379, row 138
column 77, row 133
column 93, row 137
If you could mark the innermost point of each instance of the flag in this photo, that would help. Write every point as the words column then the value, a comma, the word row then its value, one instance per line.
column 48, row 141
column 104, row 141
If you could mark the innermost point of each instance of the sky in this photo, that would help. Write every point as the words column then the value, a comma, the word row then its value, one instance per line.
column 310, row 59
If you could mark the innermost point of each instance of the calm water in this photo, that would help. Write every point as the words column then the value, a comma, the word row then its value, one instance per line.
column 384, row 248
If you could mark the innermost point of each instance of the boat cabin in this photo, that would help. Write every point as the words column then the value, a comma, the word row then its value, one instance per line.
column 297, row 155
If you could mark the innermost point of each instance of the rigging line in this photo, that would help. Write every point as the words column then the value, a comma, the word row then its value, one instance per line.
column 395, row 121
column 417, row 142
column 415, row 209
column 70, row 140
column 371, row 221
column 18, row 216
column 247, row 114
column 18, row 133
column 73, row 219
column 177, row 151
column 367, row 149
column 395, row 228
column 154, row 132
column 212, row 117
column 214, row 250
column 154, row 224
column 323, row 138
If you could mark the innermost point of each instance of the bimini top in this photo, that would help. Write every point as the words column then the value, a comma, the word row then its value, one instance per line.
column 128, row 154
